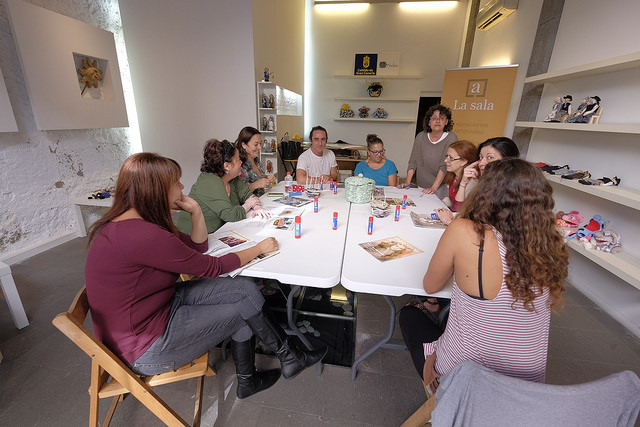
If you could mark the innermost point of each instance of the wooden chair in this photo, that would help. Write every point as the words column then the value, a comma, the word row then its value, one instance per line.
column 595, row 119
column 110, row 377
column 422, row 415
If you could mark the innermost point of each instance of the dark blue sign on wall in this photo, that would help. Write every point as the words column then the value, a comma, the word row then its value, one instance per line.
column 366, row 64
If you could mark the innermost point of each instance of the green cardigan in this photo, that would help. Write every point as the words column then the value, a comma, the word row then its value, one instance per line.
column 217, row 207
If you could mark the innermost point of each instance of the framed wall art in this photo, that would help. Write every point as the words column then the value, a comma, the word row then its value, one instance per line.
column 70, row 69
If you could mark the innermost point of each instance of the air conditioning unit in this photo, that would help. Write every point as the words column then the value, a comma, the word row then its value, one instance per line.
column 494, row 12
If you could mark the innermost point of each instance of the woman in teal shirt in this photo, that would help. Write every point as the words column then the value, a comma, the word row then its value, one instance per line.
column 222, row 195
column 377, row 167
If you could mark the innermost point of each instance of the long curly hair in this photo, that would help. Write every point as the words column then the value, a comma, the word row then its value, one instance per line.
column 216, row 153
column 444, row 111
column 245, row 135
column 514, row 197
column 143, row 184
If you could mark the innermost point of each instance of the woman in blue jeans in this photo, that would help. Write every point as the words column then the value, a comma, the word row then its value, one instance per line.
column 156, row 324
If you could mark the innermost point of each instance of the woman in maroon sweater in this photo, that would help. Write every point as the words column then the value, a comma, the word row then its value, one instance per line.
column 148, row 319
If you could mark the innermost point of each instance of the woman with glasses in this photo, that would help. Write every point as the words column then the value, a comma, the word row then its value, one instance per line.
column 249, row 144
column 489, row 151
column 459, row 155
column 426, row 161
column 222, row 195
column 377, row 167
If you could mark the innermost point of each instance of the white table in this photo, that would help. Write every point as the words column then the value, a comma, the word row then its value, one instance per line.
column 80, row 201
column 361, row 272
column 324, row 257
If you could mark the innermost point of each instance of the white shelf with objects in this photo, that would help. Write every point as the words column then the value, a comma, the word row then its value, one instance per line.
column 268, row 126
column 377, row 101
column 608, row 149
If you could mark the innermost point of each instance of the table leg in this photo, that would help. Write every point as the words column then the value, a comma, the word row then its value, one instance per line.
column 293, row 326
column 384, row 342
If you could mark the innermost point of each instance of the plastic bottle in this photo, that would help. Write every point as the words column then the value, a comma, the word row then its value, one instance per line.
column 288, row 184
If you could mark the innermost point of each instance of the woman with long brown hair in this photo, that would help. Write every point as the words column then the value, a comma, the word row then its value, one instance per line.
column 144, row 316
column 508, row 263
column 249, row 144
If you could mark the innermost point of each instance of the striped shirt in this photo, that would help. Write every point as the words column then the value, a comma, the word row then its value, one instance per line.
column 510, row 340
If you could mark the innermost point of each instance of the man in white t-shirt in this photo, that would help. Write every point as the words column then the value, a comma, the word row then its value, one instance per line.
column 317, row 163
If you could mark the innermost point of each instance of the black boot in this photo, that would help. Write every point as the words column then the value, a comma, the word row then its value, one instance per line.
column 249, row 380
column 293, row 359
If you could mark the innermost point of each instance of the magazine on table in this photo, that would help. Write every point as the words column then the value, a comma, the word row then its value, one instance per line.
column 285, row 218
column 293, row 201
column 390, row 248
column 231, row 241
column 427, row 220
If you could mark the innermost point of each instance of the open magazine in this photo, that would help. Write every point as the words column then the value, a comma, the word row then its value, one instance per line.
column 231, row 241
column 390, row 248
column 426, row 220
column 293, row 201
column 285, row 218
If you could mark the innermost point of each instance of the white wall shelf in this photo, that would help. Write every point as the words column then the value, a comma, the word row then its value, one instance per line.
column 341, row 119
column 585, row 127
column 621, row 264
column 268, row 160
column 376, row 78
column 374, row 99
column 618, row 63
column 620, row 195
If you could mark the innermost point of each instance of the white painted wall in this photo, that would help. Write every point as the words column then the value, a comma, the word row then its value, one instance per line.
column 193, row 74
column 40, row 171
column 428, row 43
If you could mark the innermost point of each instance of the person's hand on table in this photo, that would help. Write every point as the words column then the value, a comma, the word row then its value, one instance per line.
column 444, row 215
column 405, row 185
column 264, row 182
column 429, row 190
column 267, row 245
column 261, row 213
column 250, row 203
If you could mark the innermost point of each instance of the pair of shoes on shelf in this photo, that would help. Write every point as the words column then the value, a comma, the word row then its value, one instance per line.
column 576, row 175
column 602, row 181
column 555, row 169
column 572, row 219
column 607, row 241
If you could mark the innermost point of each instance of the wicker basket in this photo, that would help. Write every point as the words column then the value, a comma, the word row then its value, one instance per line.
column 358, row 189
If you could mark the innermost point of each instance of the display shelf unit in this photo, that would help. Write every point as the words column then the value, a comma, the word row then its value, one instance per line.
column 583, row 127
column 611, row 294
column 357, row 119
column 268, row 125
column 375, row 99
column 622, row 196
column 618, row 63
column 399, row 76
column 622, row 264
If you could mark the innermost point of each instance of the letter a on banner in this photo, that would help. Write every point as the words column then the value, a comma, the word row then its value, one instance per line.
column 479, row 100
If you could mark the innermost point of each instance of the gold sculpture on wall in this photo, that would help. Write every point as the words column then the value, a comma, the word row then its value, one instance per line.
column 90, row 73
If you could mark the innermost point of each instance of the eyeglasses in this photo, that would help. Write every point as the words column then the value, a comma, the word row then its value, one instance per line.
column 437, row 118
column 377, row 152
column 451, row 159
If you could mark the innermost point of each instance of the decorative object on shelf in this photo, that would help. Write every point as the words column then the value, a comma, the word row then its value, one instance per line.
column 602, row 181
column 366, row 64
column 555, row 114
column 595, row 224
column 269, row 166
column 375, row 88
column 272, row 101
column 91, row 74
column 569, row 220
column 593, row 108
column 271, row 126
column 265, row 123
column 565, row 108
column 273, row 145
column 264, row 102
column 607, row 241
column 380, row 113
column 581, row 107
column 363, row 112
column 266, row 75
column 346, row 112
column 265, row 146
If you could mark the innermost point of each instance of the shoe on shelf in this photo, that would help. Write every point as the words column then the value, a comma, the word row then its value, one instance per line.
column 610, row 181
column 576, row 175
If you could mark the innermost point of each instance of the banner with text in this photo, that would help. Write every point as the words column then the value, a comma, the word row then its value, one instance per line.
column 479, row 100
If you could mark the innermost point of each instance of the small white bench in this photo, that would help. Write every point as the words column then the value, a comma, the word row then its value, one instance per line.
column 11, row 295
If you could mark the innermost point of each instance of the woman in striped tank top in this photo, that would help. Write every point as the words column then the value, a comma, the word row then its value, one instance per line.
column 508, row 263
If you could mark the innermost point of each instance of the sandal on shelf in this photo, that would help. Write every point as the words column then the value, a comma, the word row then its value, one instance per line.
column 429, row 306
column 576, row 175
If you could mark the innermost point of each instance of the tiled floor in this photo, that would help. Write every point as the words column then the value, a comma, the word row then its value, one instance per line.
column 44, row 377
